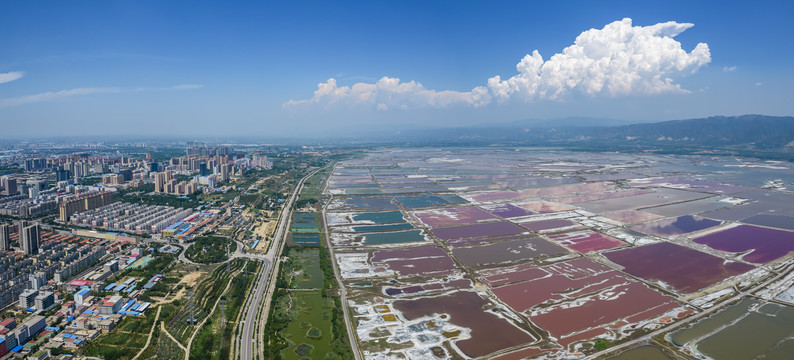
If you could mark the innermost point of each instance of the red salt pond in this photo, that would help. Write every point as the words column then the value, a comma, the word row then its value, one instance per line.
column 766, row 244
column 579, row 297
column 684, row 269
column 525, row 295
column 489, row 333
column 452, row 216
column 585, row 241
column 625, row 300
column 477, row 230
column 521, row 354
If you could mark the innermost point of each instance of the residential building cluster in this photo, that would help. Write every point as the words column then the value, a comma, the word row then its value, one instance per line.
column 55, row 258
column 38, row 199
column 131, row 217
column 12, row 337
column 84, row 202
column 165, row 183
column 262, row 162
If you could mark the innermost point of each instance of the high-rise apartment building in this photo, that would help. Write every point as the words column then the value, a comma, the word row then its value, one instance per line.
column 159, row 182
column 37, row 280
column 5, row 237
column 9, row 185
column 30, row 239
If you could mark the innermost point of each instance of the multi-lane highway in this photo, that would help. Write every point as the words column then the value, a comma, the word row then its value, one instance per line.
column 259, row 297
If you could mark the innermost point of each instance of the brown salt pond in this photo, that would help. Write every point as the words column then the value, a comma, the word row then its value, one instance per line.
column 603, row 196
column 545, row 207
column 506, row 252
column 632, row 216
column 425, row 260
column 452, row 216
column 586, row 241
column 549, row 224
column 682, row 268
column 477, row 230
column 489, row 333
column 676, row 226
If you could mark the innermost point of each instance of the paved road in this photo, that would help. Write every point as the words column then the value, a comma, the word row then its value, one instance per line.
column 342, row 291
column 248, row 342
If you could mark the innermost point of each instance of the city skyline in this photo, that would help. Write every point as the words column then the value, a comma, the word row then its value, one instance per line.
column 189, row 69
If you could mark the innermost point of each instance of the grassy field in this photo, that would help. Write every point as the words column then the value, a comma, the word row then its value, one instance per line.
column 313, row 187
column 304, row 269
column 125, row 340
column 308, row 334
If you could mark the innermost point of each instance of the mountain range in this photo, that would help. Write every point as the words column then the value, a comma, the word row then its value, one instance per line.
column 746, row 135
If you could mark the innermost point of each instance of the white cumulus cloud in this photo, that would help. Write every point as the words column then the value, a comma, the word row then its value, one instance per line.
column 389, row 93
column 620, row 59
column 10, row 76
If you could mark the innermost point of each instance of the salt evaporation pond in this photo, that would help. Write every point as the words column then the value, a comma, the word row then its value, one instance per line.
column 766, row 333
column 586, row 241
column 684, row 269
column 713, row 322
column 452, row 216
column 369, row 203
column 507, row 210
column 428, row 200
column 489, row 333
column 676, row 226
column 384, row 227
column 506, row 252
column 477, row 230
column 386, row 217
column 766, row 244
column 775, row 221
column 397, row 237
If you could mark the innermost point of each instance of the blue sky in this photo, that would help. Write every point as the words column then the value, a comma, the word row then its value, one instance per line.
column 197, row 68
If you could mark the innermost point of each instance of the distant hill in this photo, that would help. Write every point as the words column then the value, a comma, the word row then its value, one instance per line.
column 758, row 131
column 746, row 135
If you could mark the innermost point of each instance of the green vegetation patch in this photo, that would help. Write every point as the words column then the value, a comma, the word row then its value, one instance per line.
column 208, row 249
column 124, row 341
column 308, row 307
